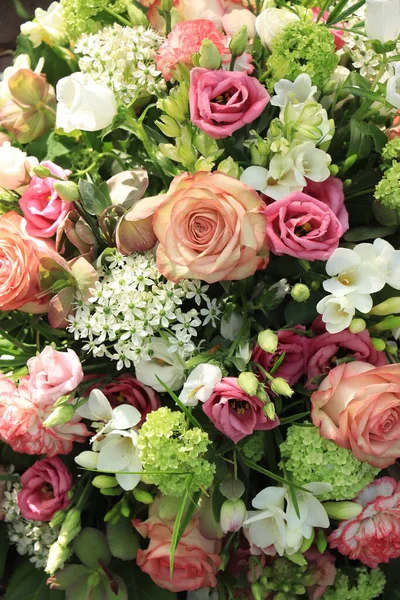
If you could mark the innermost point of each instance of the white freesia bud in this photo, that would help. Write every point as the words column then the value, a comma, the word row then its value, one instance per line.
column 48, row 26
column 271, row 22
column 200, row 384
column 342, row 511
column 393, row 88
column 15, row 167
column 233, row 513
column 84, row 104
column 167, row 366
column 230, row 327
column 382, row 20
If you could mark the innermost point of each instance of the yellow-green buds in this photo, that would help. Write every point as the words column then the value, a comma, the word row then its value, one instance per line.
column 229, row 167
column 341, row 511
column 281, row 387
column 67, row 190
column 70, row 527
column 321, row 541
column 357, row 325
column 378, row 344
column 239, row 42
column 209, row 58
column 269, row 411
column 104, row 481
column 233, row 513
column 268, row 341
column 142, row 496
column 136, row 15
column 42, row 172
column 248, row 382
column 60, row 416
column 307, row 543
column 300, row 292
column 388, row 307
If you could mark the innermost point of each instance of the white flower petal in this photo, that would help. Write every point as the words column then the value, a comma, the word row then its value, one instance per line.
column 255, row 177
column 270, row 496
column 125, row 417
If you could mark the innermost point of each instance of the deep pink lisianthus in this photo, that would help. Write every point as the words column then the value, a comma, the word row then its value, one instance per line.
column 45, row 488
column 337, row 33
column 234, row 412
column 43, row 208
column 22, row 414
column 301, row 226
column 325, row 349
column 295, row 347
column 221, row 102
column 374, row 536
column 54, row 374
column 322, row 567
column 331, row 193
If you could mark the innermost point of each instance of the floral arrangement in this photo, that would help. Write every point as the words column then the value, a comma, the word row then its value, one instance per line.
column 199, row 301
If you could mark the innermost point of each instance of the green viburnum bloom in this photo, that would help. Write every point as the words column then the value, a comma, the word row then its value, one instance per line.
column 303, row 48
column 252, row 447
column 310, row 457
column 356, row 584
column 80, row 15
column 391, row 151
column 166, row 445
column 388, row 190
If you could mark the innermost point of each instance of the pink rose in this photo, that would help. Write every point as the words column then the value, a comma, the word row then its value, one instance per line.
column 374, row 536
column 45, row 488
column 234, row 412
column 322, row 568
column 43, row 208
column 196, row 557
column 294, row 364
column 337, row 33
column 221, row 102
column 358, row 407
column 54, row 374
column 303, row 227
column 326, row 349
column 22, row 414
column 210, row 227
column 126, row 389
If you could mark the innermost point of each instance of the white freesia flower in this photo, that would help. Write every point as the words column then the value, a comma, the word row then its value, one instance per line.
column 231, row 327
column 15, row 167
column 271, row 22
column 382, row 20
column 48, row 26
column 294, row 92
column 167, row 366
column 276, row 182
column 119, row 454
column 337, row 312
column 393, row 88
column 310, row 163
column 84, row 104
column 200, row 384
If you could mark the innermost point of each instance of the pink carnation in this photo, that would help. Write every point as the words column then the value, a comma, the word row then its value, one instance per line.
column 374, row 536
column 21, row 422
column 234, row 412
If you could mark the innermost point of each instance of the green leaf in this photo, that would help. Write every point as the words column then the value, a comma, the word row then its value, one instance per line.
column 139, row 584
column 93, row 198
column 364, row 137
column 338, row 14
column 177, row 532
column 122, row 539
column 29, row 583
column 362, row 93
column 183, row 408
column 278, row 478
column 359, row 234
column 55, row 148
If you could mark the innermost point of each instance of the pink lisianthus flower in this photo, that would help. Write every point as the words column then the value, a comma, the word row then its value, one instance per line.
column 45, row 488
column 331, row 193
column 358, row 407
column 322, row 567
column 234, row 412
column 221, row 102
column 296, row 351
column 43, row 208
column 374, row 536
column 326, row 348
column 337, row 33
column 54, row 374
column 22, row 415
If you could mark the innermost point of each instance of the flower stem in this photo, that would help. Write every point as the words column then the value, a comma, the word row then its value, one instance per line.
column 117, row 17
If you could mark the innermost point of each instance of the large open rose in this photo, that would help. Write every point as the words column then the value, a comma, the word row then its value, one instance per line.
column 358, row 407
column 210, row 227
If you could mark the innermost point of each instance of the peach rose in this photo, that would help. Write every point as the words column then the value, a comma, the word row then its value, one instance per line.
column 210, row 227
column 19, row 266
column 358, row 407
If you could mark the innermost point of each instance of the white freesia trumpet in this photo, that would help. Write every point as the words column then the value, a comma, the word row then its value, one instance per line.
column 295, row 92
column 393, row 88
column 165, row 365
column 200, row 384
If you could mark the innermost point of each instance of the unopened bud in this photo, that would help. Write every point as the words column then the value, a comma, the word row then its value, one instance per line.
column 334, row 170
column 136, row 16
column 93, row 580
column 322, row 543
column 269, row 411
column 387, row 324
column 300, row 292
column 262, row 394
column 210, row 58
column 59, row 416
column 357, row 325
column 248, row 382
column 281, row 387
column 388, row 307
column 70, row 527
column 42, row 172
column 104, row 481
column 166, row 5
column 58, row 555
column 341, row 511
column 257, row 591
column 391, row 348
column 297, row 558
column 307, row 543
column 142, row 496
column 239, row 42
column 229, row 167
column 117, row 491
column 67, row 190
column 329, row 87
column 57, row 518
column 349, row 162
column 268, row 341
column 169, row 126
column 378, row 344
column 233, row 513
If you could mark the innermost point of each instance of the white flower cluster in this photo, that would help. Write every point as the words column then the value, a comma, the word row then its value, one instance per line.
column 33, row 538
column 123, row 58
column 132, row 304
column 354, row 276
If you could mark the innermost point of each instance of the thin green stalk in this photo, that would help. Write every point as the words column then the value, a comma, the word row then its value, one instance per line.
column 117, row 17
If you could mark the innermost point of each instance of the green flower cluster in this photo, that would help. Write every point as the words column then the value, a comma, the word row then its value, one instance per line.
column 171, row 452
column 79, row 15
column 356, row 584
column 388, row 189
column 310, row 457
column 252, row 447
column 391, row 151
column 286, row 579
column 303, row 48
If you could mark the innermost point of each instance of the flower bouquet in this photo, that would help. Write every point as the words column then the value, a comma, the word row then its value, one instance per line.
column 199, row 295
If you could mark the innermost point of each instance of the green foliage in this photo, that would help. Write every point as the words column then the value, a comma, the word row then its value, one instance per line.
column 80, row 15
column 95, row 199
column 29, row 583
column 356, row 584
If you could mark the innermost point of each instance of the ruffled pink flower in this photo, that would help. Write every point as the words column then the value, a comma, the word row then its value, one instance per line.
column 45, row 488
column 337, row 33
column 221, row 102
column 234, row 412
column 322, row 568
column 294, row 364
column 43, row 208
column 21, row 422
column 54, row 374
column 325, row 349
column 374, row 536
column 331, row 193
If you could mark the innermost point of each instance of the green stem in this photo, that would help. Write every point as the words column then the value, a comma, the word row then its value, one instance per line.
column 136, row 127
column 117, row 17
column 232, row 63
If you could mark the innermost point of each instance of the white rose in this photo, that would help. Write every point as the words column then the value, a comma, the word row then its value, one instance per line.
column 393, row 88
column 15, row 167
column 168, row 366
column 271, row 22
column 84, row 104
column 48, row 25
column 382, row 20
